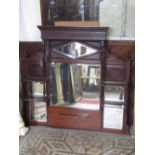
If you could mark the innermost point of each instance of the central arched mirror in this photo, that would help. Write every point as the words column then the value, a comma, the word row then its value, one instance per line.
column 75, row 84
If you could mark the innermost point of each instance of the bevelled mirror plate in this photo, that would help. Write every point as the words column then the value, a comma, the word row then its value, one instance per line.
column 114, row 93
column 75, row 50
column 37, row 88
column 72, row 10
column 113, row 116
column 39, row 111
column 76, row 85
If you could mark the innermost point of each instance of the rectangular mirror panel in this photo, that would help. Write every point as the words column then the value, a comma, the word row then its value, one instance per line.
column 72, row 10
column 114, row 93
column 76, row 84
column 37, row 88
column 39, row 111
column 113, row 116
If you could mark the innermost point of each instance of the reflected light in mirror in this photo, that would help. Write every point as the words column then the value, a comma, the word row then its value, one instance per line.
column 75, row 50
column 114, row 93
column 71, row 10
column 76, row 85
column 39, row 111
column 37, row 88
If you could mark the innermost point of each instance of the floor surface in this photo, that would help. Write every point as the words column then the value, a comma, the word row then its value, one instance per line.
column 53, row 141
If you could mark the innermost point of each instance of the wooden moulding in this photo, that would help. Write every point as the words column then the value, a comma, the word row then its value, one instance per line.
column 83, row 33
column 77, row 23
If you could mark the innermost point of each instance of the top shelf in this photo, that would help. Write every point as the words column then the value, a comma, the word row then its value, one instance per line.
column 73, row 33
column 48, row 27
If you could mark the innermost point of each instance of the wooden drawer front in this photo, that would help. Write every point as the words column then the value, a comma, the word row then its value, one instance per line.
column 115, row 74
column 74, row 118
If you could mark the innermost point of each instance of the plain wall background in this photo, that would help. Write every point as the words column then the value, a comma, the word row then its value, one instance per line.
column 118, row 15
column 29, row 18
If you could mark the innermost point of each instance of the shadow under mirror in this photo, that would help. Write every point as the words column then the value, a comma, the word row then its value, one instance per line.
column 75, row 50
column 76, row 85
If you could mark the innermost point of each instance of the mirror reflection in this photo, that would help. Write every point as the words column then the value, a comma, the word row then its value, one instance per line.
column 72, row 10
column 37, row 88
column 114, row 93
column 76, row 85
column 39, row 111
column 75, row 50
column 113, row 116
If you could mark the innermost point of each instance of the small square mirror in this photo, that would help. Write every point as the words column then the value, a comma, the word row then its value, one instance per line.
column 114, row 93
column 37, row 88
column 39, row 111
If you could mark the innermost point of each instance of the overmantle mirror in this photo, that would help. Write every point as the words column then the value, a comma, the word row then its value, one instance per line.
column 71, row 10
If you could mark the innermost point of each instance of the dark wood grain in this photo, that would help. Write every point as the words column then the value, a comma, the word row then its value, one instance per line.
column 74, row 118
column 120, row 56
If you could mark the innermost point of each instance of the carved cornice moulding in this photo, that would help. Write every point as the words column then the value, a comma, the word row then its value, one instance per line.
column 73, row 33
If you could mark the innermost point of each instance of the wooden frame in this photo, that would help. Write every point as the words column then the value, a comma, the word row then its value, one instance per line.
column 121, row 51
column 96, row 38
column 64, row 23
column 52, row 34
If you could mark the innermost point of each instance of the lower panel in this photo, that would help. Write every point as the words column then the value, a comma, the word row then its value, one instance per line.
column 113, row 117
column 74, row 118
column 62, row 117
